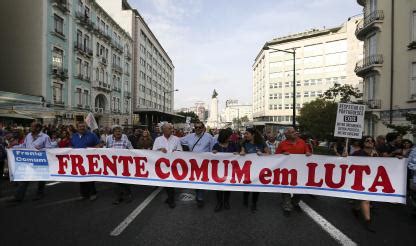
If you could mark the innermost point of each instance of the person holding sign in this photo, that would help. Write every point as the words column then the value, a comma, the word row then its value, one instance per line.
column 38, row 140
column 168, row 143
column 292, row 145
column 253, row 143
column 367, row 149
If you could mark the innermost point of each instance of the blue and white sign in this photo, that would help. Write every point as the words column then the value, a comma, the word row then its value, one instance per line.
column 26, row 164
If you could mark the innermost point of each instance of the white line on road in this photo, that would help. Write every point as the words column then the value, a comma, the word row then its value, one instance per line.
column 123, row 225
column 327, row 226
column 53, row 183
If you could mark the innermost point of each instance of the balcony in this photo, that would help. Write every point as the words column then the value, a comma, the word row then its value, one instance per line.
column 117, row 68
column 83, row 50
column 102, row 86
column 368, row 64
column 373, row 104
column 117, row 46
column 84, row 19
column 103, row 61
column 59, row 72
column 128, row 55
column 58, row 102
column 98, row 110
column 62, row 5
column 369, row 23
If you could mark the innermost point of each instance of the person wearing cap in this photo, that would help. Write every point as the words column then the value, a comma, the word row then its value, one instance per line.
column 168, row 143
column 118, row 140
column 198, row 142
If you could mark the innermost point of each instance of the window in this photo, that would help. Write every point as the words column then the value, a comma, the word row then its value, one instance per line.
column 306, row 94
column 57, row 58
column 313, row 94
column 270, row 106
column 413, row 81
column 86, row 70
column 298, row 94
column 280, row 106
column 79, row 39
column 58, row 24
column 57, row 92
column 287, row 95
column 78, row 96
column 78, row 65
column 86, row 42
column 86, row 97
column 369, row 87
column 306, row 82
column 373, row 6
column 371, row 45
column 287, row 106
column 270, row 96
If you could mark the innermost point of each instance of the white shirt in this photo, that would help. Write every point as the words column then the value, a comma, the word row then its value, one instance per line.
column 171, row 144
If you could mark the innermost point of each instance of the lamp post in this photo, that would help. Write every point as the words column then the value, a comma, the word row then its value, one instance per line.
column 293, row 52
column 164, row 100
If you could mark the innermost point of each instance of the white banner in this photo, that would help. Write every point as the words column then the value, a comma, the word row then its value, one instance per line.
column 366, row 178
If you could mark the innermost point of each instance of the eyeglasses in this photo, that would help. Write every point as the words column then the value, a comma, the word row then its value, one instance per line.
column 199, row 127
column 369, row 140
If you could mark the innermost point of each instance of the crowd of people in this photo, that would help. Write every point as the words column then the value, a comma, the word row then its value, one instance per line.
column 166, row 139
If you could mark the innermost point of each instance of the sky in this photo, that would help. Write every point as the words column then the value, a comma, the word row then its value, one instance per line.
column 213, row 43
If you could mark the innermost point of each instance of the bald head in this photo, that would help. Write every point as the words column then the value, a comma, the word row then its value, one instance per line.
column 290, row 133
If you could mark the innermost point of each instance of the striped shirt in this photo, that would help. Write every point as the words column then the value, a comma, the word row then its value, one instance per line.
column 122, row 143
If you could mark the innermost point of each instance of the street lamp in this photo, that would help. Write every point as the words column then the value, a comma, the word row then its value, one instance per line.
column 164, row 98
column 294, row 79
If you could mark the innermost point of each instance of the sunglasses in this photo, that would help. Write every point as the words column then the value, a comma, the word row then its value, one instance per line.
column 369, row 140
column 199, row 127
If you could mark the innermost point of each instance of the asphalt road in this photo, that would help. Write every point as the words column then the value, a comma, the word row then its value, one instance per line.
column 59, row 219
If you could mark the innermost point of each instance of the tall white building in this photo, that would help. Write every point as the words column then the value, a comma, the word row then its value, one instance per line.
column 324, row 57
column 234, row 110
column 153, row 72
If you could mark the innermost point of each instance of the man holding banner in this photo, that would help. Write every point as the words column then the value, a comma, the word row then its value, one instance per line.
column 292, row 145
column 168, row 143
column 199, row 142
column 36, row 140
column 84, row 138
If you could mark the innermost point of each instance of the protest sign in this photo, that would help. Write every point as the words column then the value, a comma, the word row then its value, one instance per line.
column 350, row 120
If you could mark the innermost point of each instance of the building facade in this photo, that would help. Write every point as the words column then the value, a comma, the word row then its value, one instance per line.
column 324, row 57
column 388, row 67
column 75, row 58
column 153, row 72
column 235, row 111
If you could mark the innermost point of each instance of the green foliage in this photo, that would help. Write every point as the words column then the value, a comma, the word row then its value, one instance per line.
column 405, row 129
column 317, row 118
column 341, row 93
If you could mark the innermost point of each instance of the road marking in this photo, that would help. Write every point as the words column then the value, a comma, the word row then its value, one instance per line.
column 326, row 225
column 123, row 225
column 53, row 183
column 58, row 202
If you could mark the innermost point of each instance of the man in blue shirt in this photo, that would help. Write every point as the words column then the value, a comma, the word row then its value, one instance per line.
column 199, row 142
column 84, row 138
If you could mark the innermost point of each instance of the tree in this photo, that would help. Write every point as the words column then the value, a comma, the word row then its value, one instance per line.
column 317, row 118
column 194, row 117
column 341, row 93
column 405, row 129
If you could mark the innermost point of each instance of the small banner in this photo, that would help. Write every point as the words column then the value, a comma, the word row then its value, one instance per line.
column 365, row 178
column 350, row 120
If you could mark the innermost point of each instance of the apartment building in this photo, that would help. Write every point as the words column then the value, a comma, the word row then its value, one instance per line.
column 71, row 57
column 324, row 57
column 388, row 67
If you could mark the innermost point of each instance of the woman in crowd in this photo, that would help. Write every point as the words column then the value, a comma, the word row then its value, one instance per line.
column 65, row 141
column 407, row 146
column 224, row 145
column 253, row 142
column 145, row 140
column 339, row 147
column 367, row 149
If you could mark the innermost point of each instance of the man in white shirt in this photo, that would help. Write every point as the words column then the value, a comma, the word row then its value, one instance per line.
column 167, row 143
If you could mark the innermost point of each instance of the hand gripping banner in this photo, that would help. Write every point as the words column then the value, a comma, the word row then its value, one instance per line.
column 365, row 178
